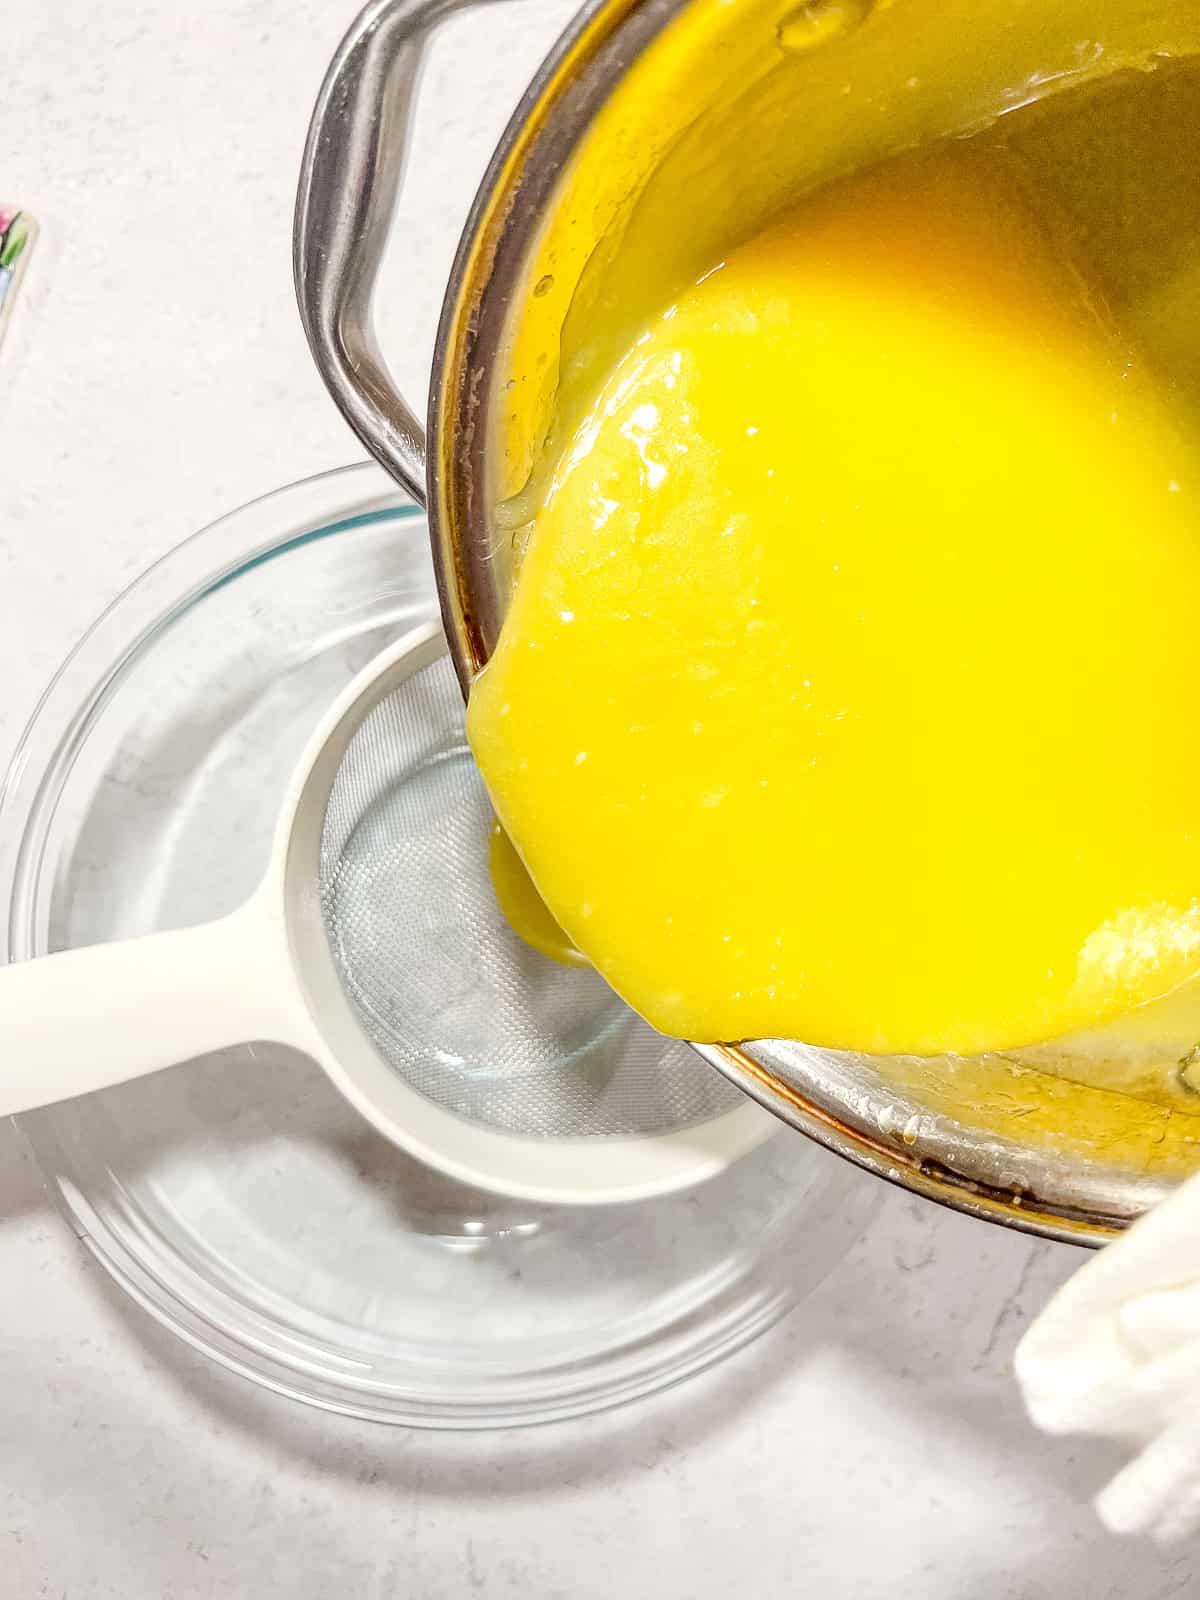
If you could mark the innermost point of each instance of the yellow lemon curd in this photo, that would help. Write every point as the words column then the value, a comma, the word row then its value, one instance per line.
column 523, row 906
column 848, row 690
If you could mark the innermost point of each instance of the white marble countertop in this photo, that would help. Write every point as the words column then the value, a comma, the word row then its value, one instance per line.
column 157, row 378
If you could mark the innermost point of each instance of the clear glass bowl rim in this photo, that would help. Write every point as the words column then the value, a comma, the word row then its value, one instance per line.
column 319, row 507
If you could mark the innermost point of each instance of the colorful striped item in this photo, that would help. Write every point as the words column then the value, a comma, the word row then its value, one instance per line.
column 17, row 233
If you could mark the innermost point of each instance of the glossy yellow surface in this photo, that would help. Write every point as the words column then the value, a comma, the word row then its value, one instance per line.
column 848, row 691
column 738, row 110
column 525, row 910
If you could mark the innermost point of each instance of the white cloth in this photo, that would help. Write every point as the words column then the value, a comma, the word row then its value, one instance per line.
column 1116, row 1353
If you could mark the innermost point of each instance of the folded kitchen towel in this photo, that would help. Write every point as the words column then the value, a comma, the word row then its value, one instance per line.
column 1116, row 1353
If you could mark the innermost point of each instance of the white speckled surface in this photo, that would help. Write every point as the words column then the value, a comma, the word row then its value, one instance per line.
column 157, row 378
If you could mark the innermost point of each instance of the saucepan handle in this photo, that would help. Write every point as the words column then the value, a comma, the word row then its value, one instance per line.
column 349, row 182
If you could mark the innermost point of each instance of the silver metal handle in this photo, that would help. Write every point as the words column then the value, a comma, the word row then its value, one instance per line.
column 349, row 181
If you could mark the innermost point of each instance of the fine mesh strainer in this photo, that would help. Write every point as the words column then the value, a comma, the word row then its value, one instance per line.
column 375, row 945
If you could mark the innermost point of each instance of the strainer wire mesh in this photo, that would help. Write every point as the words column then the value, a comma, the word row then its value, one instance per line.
column 450, row 997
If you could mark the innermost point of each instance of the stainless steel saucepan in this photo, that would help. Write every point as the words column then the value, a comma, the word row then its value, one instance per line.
column 656, row 132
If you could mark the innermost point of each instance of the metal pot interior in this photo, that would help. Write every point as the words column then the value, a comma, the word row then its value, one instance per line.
column 658, row 135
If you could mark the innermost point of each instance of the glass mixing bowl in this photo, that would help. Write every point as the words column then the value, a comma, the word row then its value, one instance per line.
column 238, row 1198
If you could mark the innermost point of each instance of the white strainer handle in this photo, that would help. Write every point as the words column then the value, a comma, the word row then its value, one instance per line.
column 85, row 1019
